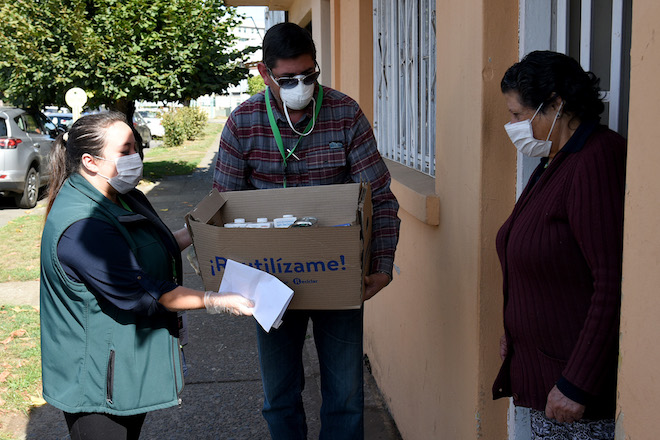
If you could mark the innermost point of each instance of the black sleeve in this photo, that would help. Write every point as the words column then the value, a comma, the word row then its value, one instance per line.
column 94, row 253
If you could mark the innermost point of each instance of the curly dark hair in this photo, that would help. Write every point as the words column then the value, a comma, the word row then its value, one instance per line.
column 541, row 76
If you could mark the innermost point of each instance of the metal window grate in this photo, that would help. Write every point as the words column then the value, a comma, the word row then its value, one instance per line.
column 405, row 77
column 600, row 30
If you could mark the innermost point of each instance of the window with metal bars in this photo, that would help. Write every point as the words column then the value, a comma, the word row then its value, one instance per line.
column 404, row 86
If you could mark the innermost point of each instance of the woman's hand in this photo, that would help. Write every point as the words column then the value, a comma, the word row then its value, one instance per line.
column 183, row 298
column 504, row 349
column 232, row 303
column 561, row 408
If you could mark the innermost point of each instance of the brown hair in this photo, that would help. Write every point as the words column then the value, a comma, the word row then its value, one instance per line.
column 86, row 136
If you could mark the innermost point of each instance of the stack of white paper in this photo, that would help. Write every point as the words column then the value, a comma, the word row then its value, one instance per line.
column 271, row 297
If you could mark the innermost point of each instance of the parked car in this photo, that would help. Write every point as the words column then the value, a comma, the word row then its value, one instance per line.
column 143, row 129
column 26, row 139
column 62, row 120
column 154, row 122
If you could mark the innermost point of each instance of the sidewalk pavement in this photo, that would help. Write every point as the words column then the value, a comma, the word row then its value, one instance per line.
column 222, row 397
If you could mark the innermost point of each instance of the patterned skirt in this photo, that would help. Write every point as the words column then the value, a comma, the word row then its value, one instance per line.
column 546, row 429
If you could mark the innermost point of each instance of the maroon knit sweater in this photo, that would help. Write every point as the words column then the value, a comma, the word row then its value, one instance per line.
column 561, row 252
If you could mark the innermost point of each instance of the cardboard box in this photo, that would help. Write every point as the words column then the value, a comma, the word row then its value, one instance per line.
column 324, row 265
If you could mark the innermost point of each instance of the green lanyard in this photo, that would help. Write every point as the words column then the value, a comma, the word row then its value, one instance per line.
column 124, row 205
column 276, row 129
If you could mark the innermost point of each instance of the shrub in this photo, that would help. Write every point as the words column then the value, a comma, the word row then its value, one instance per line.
column 193, row 119
column 174, row 131
column 184, row 123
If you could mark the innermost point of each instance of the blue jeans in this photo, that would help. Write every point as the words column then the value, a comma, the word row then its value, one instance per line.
column 338, row 338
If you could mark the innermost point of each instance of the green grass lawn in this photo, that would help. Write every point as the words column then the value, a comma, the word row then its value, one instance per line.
column 19, row 244
column 181, row 160
column 20, row 363
column 20, row 367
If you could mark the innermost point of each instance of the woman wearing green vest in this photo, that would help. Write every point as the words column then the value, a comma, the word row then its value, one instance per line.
column 111, row 287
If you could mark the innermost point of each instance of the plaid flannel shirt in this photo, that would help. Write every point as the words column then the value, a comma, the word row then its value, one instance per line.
column 341, row 149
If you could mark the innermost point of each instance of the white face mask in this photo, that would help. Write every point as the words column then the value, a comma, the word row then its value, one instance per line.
column 129, row 172
column 298, row 97
column 522, row 136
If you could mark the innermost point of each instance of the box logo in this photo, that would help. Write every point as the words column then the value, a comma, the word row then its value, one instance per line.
column 276, row 266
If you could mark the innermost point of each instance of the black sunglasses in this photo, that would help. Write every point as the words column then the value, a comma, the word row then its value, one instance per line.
column 289, row 82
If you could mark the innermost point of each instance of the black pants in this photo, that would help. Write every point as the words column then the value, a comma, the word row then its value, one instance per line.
column 97, row 426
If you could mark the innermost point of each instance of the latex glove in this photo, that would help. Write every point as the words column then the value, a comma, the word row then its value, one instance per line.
column 232, row 303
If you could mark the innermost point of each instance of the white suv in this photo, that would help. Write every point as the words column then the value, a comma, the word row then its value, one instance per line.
column 25, row 143
column 154, row 121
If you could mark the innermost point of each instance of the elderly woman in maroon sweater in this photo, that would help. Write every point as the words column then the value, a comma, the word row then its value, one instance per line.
column 560, row 252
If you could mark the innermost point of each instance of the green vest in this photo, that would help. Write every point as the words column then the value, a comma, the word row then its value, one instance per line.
column 96, row 357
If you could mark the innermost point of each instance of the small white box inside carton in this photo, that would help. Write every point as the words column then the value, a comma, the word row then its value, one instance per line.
column 324, row 265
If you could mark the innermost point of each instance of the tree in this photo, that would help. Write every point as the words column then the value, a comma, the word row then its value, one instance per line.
column 255, row 84
column 118, row 51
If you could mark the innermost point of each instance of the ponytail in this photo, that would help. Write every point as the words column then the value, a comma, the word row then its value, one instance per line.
column 58, row 169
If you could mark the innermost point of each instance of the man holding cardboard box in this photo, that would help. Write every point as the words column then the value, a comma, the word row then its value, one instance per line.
column 299, row 133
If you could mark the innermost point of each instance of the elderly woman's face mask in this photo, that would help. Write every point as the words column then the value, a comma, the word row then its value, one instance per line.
column 522, row 136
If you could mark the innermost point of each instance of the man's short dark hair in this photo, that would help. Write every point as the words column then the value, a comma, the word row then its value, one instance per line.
column 285, row 41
